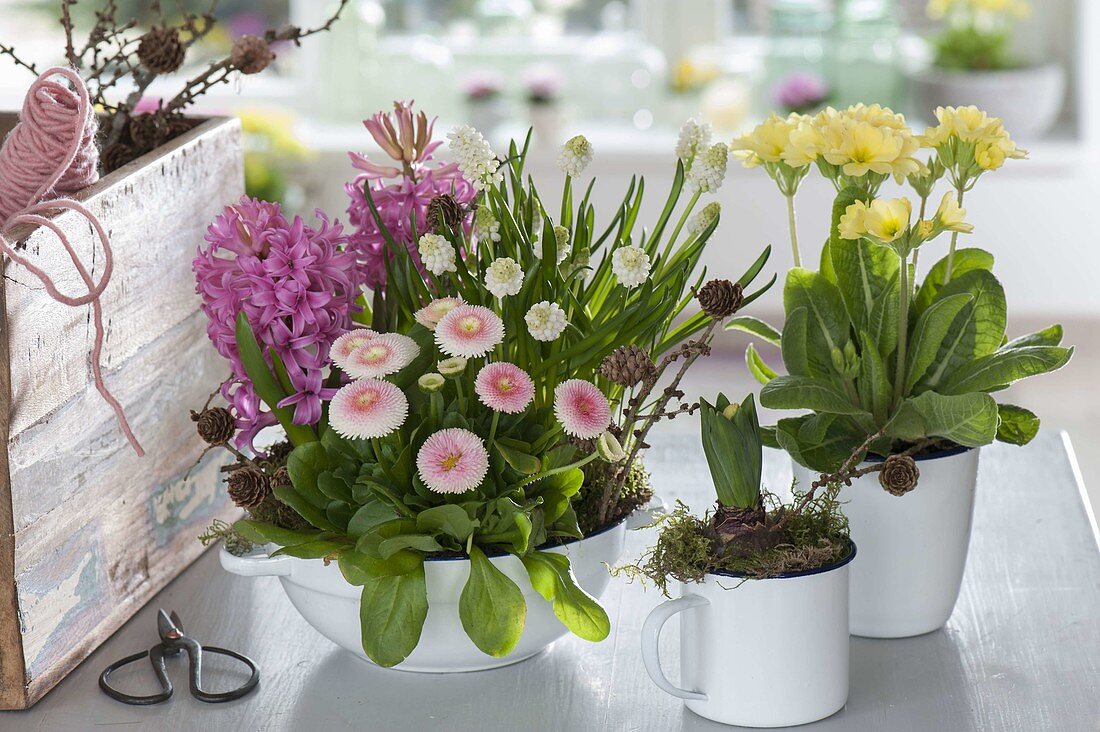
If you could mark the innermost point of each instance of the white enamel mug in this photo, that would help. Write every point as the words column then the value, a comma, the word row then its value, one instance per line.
column 759, row 653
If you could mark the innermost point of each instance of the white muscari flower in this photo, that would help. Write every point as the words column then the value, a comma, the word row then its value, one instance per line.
column 504, row 277
column 437, row 254
column 545, row 321
column 630, row 265
column 575, row 155
column 561, row 237
column 486, row 226
column 694, row 138
column 709, row 169
column 703, row 218
column 474, row 157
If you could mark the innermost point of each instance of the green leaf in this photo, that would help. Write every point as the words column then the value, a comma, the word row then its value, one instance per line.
column 864, row 272
column 552, row 577
column 447, row 519
column 820, row 442
column 874, row 383
column 1004, row 367
column 391, row 615
column 264, row 533
column 491, row 607
column 966, row 419
column 370, row 515
column 316, row 549
column 1018, row 425
column 1051, row 336
column 827, row 325
column 931, row 329
column 307, row 510
column 733, row 451
column 978, row 330
column 795, row 355
column 801, row 392
column 358, row 567
column 521, row 462
column 265, row 383
column 966, row 260
column 305, row 465
column 756, row 327
column 760, row 370
column 418, row 542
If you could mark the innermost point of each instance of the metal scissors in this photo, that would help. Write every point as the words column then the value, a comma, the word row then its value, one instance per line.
column 172, row 641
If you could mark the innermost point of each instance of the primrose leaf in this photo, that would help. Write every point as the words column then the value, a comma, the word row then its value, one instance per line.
column 827, row 324
column 1006, row 366
column 801, row 392
column 966, row 260
column 928, row 335
column 756, row 327
column 759, row 369
column 1018, row 425
column 1050, row 336
column 967, row 419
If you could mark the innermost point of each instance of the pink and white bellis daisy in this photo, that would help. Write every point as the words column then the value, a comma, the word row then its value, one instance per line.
column 582, row 408
column 469, row 331
column 343, row 346
column 430, row 315
column 367, row 409
column 504, row 387
column 385, row 354
column 453, row 460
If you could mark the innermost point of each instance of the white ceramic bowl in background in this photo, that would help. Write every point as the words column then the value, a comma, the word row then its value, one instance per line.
column 331, row 605
column 759, row 653
column 912, row 548
column 1027, row 99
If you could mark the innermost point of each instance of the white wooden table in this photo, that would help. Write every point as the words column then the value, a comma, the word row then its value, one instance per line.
column 1021, row 652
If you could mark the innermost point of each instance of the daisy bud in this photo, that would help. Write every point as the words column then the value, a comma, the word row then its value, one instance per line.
column 609, row 448
column 452, row 366
column 430, row 382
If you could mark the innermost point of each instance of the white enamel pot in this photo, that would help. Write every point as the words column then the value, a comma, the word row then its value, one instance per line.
column 759, row 653
column 912, row 548
column 1027, row 99
column 327, row 602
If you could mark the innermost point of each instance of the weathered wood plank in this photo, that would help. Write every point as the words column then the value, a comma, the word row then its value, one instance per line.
column 156, row 210
column 89, row 531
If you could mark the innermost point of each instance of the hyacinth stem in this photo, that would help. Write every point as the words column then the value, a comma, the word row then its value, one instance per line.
column 903, row 332
column 680, row 225
column 793, row 227
column 954, row 238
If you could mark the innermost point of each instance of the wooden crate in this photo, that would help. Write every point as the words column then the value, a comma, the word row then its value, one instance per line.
column 89, row 532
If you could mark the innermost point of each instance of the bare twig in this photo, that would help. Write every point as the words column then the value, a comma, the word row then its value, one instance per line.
column 10, row 51
column 67, row 24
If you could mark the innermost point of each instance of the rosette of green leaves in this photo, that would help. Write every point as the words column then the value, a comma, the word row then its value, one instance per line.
column 733, row 448
column 375, row 517
column 840, row 348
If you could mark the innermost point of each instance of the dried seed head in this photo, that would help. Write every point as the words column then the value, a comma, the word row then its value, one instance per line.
column 161, row 51
column 720, row 298
column 250, row 54
column 248, row 487
column 899, row 474
column 444, row 210
column 215, row 425
column 628, row 366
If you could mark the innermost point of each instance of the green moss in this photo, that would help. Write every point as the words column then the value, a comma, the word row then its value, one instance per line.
column 637, row 490
column 235, row 544
column 688, row 548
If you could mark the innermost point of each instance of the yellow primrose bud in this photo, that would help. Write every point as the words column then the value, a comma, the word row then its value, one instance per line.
column 950, row 215
column 851, row 222
column 925, row 227
column 887, row 220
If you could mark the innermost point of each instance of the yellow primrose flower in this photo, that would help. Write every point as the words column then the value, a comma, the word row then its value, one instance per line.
column 887, row 220
column 851, row 222
column 864, row 148
column 966, row 123
column 767, row 141
column 950, row 215
column 806, row 144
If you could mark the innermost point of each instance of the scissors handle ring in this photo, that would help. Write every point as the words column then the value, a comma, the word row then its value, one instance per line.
column 162, row 676
column 214, row 698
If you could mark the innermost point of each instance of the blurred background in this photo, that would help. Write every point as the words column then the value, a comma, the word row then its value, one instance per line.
column 627, row 73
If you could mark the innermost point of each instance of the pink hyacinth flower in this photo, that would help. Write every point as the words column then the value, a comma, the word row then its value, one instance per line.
column 469, row 331
column 582, row 408
column 367, row 409
column 453, row 460
column 504, row 387
column 381, row 356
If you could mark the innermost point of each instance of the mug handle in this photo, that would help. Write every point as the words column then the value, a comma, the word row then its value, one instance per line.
column 255, row 565
column 651, row 634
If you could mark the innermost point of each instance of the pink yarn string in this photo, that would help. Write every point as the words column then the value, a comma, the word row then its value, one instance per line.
column 52, row 152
